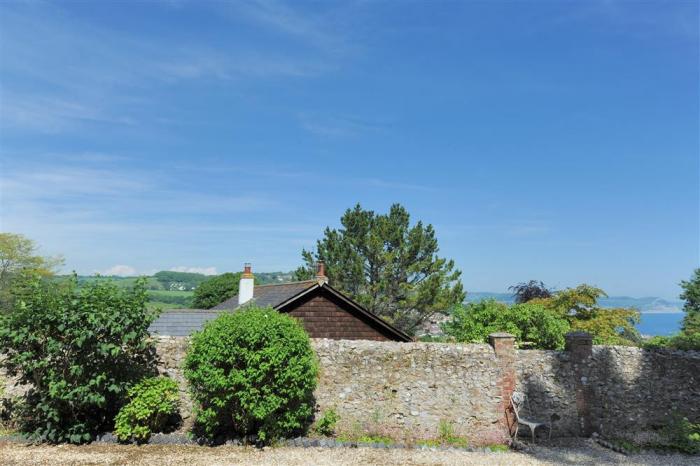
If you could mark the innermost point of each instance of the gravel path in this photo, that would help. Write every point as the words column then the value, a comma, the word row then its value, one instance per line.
column 581, row 453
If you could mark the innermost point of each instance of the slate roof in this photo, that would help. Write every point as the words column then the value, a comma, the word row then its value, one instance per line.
column 181, row 322
column 270, row 295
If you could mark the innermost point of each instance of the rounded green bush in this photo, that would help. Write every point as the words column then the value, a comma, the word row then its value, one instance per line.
column 252, row 372
column 153, row 402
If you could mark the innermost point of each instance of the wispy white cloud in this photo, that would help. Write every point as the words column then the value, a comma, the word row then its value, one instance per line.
column 311, row 27
column 202, row 270
column 40, row 183
column 49, row 114
column 624, row 17
column 120, row 271
column 338, row 125
column 91, row 75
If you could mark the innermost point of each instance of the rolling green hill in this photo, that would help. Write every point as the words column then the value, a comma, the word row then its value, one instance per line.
column 175, row 290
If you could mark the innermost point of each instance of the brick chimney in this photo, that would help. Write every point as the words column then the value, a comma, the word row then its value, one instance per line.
column 321, row 272
column 245, row 289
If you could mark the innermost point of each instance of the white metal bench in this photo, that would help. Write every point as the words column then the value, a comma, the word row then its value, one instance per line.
column 518, row 400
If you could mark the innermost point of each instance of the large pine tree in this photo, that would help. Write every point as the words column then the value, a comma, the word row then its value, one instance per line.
column 387, row 265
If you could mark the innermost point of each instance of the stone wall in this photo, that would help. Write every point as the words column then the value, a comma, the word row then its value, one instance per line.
column 407, row 390
column 616, row 391
column 546, row 378
column 403, row 390
column 637, row 390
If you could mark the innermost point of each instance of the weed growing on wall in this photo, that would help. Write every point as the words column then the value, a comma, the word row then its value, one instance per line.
column 326, row 423
column 252, row 372
column 682, row 435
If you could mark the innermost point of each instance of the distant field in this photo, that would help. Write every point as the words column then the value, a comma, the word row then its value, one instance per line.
column 164, row 306
column 170, row 299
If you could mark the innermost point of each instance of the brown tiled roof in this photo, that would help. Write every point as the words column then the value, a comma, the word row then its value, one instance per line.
column 269, row 295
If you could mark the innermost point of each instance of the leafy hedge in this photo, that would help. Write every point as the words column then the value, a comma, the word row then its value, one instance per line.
column 680, row 341
column 252, row 372
column 153, row 404
column 79, row 350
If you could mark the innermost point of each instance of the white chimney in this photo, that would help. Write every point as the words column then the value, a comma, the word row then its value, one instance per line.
column 245, row 289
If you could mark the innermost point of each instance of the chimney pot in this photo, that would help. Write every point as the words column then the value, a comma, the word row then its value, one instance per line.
column 321, row 272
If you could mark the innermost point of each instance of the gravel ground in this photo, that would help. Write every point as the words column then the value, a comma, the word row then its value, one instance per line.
column 574, row 452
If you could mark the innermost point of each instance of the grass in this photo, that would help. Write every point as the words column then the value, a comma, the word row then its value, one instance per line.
column 169, row 299
column 498, row 448
column 163, row 306
column 7, row 431
column 367, row 439
column 459, row 442
column 161, row 293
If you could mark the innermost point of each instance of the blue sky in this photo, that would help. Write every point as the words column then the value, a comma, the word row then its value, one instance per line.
column 544, row 140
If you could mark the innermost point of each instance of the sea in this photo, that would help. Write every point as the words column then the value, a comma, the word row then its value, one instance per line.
column 660, row 323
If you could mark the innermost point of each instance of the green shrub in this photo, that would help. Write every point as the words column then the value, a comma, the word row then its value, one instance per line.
column 682, row 435
column 326, row 424
column 656, row 342
column 153, row 404
column 252, row 372
column 79, row 350
column 528, row 322
column 681, row 341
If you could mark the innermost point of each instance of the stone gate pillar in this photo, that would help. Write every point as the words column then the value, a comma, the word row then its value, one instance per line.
column 504, row 346
column 580, row 346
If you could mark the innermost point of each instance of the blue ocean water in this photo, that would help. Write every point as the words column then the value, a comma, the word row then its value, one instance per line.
column 660, row 323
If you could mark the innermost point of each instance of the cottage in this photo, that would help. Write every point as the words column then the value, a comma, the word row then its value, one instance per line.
column 324, row 311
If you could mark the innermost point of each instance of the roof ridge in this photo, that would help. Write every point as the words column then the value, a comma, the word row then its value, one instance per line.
column 287, row 283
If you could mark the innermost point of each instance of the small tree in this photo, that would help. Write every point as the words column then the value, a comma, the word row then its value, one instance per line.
column 580, row 307
column 18, row 255
column 79, row 350
column 252, row 372
column 527, row 291
column 216, row 290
